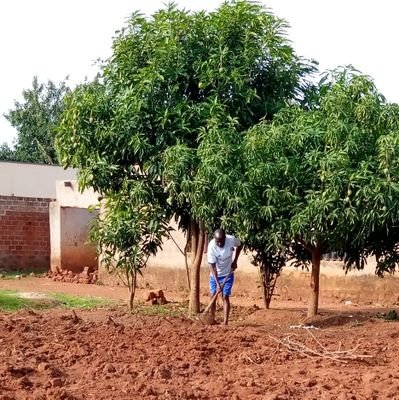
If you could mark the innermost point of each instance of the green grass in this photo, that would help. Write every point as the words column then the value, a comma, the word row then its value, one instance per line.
column 169, row 310
column 11, row 301
column 14, row 274
column 85, row 302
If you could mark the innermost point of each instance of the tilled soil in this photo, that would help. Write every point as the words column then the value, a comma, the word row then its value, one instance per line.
column 112, row 355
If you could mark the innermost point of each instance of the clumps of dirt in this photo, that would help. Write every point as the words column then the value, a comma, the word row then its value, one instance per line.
column 61, row 356
column 336, row 319
column 280, row 318
column 86, row 277
column 157, row 298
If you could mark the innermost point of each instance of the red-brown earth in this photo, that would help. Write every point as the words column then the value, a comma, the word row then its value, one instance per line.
column 112, row 354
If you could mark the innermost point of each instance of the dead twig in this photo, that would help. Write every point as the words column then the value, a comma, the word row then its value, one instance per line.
column 112, row 321
column 252, row 361
column 314, row 337
column 343, row 356
column 75, row 319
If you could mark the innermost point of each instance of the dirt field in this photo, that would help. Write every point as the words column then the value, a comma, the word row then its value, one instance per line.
column 106, row 354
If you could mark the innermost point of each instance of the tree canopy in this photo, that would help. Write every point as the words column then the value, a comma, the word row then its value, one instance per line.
column 35, row 120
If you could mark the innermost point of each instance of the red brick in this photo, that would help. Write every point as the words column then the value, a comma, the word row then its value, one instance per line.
column 24, row 231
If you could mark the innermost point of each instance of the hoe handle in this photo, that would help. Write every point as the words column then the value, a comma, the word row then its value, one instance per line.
column 215, row 296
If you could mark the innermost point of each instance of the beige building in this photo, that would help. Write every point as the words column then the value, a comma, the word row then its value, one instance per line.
column 25, row 193
column 44, row 219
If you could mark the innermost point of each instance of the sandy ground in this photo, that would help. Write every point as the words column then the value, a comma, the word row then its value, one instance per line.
column 106, row 354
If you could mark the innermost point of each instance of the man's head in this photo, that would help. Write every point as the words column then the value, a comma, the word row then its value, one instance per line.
column 220, row 237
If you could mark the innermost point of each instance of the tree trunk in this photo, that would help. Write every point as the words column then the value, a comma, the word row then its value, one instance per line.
column 132, row 289
column 314, row 283
column 268, row 280
column 198, row 237
column 267, row 292
column 188, row 241
column 266, row 298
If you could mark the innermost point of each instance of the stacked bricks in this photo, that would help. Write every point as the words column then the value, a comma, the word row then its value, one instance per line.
column 24, row 233
column 68, row 276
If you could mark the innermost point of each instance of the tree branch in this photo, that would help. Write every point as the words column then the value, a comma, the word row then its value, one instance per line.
column 174, row 241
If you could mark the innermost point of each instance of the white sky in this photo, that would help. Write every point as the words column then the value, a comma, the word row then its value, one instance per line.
column 53, row 39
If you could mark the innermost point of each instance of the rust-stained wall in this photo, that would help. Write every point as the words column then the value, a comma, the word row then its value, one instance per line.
column 69, row 228
column 75, row 250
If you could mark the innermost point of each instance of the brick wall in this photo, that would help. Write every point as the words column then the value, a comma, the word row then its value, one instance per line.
column 24, row 233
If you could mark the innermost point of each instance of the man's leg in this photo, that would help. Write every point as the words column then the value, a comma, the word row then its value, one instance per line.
column 226, row 298
column 226, row 309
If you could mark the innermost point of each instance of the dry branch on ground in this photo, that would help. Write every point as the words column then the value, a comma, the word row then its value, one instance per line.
column 296, row 346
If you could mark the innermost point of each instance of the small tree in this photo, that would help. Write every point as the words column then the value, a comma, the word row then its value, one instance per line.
column 249, row 217
column 327, row 175
column 270, row 267
column 130, row 230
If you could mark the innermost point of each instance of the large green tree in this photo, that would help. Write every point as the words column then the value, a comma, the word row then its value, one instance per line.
column 174, row 84
column 35, row 120
column 325, row 177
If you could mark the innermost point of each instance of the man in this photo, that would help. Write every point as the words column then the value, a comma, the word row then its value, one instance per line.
column 221, row 263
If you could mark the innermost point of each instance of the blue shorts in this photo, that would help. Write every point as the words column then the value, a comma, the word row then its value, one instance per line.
column 227, row 286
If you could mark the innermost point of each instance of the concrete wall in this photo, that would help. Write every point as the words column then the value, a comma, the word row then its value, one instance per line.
column 24, row 233
column 55, row 235
column 171, row 257
column 76, row 251
column 31, row 180
column 68, row 195
column 69, row 228
column 292, row 286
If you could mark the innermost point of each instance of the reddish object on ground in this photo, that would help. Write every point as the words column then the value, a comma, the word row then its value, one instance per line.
column 157, row 298
column 86, row 276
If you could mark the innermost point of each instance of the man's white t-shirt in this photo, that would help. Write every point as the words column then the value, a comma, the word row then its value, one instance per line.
column 222, row 256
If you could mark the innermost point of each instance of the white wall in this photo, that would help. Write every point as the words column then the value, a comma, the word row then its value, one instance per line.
column 68, row 195
column 55, row 236
column 31, row 180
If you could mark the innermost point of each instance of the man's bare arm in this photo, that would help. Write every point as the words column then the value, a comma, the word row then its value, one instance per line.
column 236, row 255
column 215, row 275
